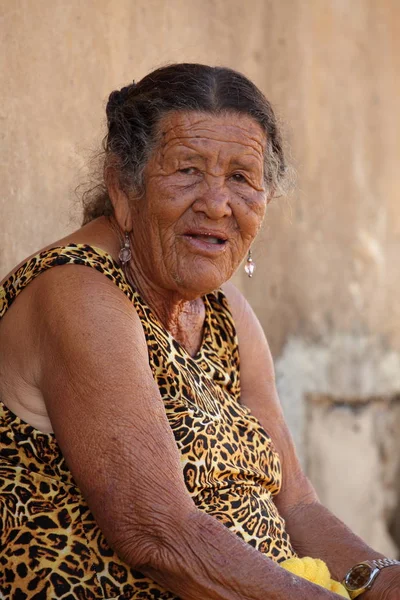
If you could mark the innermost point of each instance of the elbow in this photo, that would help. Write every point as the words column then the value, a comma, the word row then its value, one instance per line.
column 145, row 552
column 156, row 548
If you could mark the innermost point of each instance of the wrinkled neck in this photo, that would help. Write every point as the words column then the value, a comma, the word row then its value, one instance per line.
column 182, row 318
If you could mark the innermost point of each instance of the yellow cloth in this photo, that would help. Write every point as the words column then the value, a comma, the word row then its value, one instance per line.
column 316, row 571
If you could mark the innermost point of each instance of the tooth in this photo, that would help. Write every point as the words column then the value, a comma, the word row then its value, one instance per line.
column 209, row 238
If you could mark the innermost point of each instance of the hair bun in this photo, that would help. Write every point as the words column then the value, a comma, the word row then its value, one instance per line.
column 117, row 98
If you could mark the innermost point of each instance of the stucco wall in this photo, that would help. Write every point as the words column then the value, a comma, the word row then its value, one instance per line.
column 326, row 285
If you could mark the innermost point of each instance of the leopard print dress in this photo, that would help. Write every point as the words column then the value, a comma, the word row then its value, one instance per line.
column 50, row 545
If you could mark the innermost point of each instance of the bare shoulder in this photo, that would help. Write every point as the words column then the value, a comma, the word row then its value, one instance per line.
column 70, row 319
column 253, row 344
column 257, row 376
column 237, row 302
column 84, row 304
column 91, row 345
column 65, row 286
column 242, row 312
column 90, row 340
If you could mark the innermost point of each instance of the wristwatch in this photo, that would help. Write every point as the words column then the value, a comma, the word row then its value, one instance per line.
column 361, row 577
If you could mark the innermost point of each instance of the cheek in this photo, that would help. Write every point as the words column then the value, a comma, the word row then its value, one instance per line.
column 250, row 214
column 167, row 202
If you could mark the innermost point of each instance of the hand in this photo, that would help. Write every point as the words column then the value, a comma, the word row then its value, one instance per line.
column 386, row 586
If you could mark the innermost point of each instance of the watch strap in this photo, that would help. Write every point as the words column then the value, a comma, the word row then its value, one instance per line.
column 381, row 563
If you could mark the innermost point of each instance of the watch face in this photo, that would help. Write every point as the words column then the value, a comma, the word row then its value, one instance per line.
column 358, row 577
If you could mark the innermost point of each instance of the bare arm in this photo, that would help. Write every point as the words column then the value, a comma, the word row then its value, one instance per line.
column 110, row 423
column 314, row 530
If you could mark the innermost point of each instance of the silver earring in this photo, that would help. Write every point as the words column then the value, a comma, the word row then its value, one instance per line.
column 125, row 254
column 250, row 266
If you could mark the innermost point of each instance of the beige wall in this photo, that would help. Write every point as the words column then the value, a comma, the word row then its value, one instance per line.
column 327, row 281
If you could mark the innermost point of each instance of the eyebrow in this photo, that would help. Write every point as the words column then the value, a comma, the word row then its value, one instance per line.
column 190, row 155
column 245, row 163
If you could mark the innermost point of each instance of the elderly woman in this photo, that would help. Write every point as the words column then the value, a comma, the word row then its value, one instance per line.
column 140, row 457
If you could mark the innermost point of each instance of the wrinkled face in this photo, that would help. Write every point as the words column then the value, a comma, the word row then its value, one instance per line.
column 204, row 200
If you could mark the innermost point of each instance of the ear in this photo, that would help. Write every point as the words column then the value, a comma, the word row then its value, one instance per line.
column 119, row 199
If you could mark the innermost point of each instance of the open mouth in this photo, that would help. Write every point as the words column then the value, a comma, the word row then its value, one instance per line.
column 208, row 238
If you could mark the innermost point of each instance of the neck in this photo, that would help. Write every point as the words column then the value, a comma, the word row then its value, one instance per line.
column 183, row 318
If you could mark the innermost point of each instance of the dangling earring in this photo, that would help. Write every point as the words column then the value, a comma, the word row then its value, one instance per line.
column 250, row 266
column 125, row 254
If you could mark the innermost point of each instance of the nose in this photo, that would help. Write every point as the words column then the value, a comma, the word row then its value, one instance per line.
column 214, row 199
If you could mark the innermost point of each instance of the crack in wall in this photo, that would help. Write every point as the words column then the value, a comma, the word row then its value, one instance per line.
column 342, row 404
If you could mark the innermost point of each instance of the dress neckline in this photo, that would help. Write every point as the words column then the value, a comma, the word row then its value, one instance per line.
column 78, row 255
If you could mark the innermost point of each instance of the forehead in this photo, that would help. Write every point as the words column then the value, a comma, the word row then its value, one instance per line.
column 230, row 132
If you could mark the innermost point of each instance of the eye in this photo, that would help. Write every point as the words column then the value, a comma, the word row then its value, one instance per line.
column 239, row 178
column 188, row 171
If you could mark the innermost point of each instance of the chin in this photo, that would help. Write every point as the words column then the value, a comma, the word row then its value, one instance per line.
column 195, row 283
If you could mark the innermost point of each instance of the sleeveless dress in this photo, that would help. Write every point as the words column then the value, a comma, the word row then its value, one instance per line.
column 50, row 545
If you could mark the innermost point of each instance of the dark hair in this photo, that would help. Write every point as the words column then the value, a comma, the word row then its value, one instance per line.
column 134, row 112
